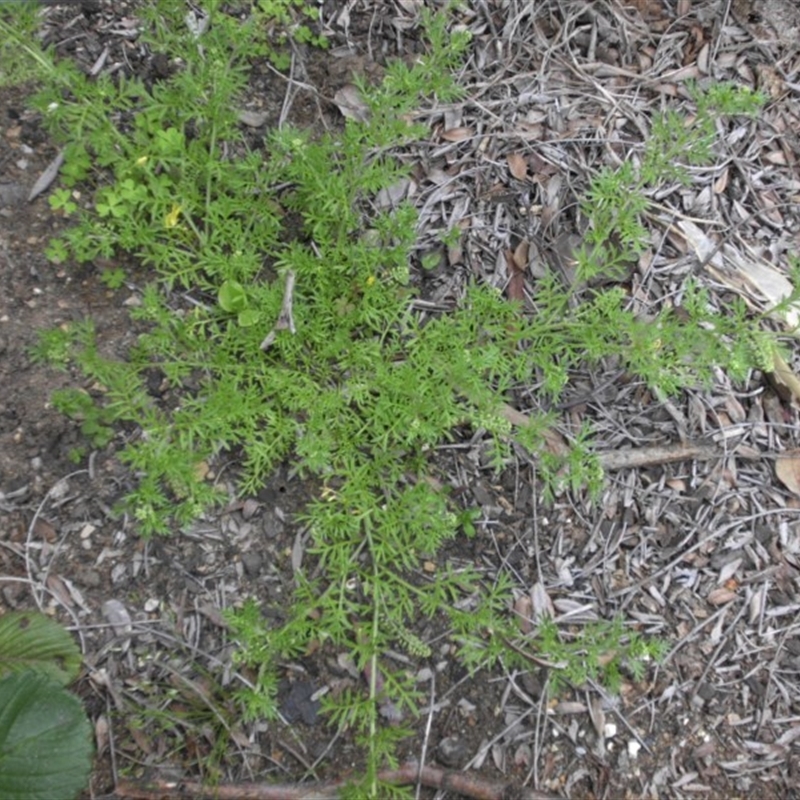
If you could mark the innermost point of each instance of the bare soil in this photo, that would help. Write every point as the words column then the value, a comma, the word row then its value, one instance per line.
column 702, row 553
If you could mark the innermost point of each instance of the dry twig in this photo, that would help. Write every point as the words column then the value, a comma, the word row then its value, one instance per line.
column 458, row 782
column 665, row 454
column 285, row 318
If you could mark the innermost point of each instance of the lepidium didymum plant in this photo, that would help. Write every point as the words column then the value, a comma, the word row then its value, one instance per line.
column 356, row 392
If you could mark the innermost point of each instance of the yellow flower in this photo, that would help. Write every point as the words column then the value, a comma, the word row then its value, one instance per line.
column 371, row 280
column 171, row 220
column 142, row 160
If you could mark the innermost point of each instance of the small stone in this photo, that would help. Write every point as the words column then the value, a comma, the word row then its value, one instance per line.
column 465, row 707
column 87, row 531
column 272, row 525
column 249, row 508
column 89, row 577
column 252, row 563
column 453, row 752
column 253, row 119
column 424, row 675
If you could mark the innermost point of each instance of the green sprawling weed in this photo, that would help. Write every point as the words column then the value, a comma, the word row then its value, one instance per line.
column 353, row 387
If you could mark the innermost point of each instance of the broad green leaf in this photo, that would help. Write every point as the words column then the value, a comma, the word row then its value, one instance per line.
column 232, row 297
column 31, row 641
column 248, row 317
column 45, row 740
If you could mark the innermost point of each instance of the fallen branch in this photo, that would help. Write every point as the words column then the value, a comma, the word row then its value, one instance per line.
column 459, row 782
column 648, row 456
column 668, row 454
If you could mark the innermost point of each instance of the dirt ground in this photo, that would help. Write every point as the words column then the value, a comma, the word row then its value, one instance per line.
column 703, row 553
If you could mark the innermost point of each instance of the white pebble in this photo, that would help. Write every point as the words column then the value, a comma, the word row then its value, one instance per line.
column 87, row 530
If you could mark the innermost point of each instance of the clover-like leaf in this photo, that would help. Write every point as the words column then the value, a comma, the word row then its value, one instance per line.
column 248, row 317
column 232, row 297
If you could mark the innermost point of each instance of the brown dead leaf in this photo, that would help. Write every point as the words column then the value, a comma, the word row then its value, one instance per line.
column 540, row 167
column 650, row 10
column 756, row 281
column 517, row 166
column 298, row 551
column 720, row 596
column 101, row 734
column 721, row 183
column 776, row 157
column 541, row 604
column 457, row 134
column 787, row 470
column 597, row 715
column 759, row 281
column 522, row 756
column 604, row 659
column 249, row 508
column 47, row 177
column 523, row 608
column 499, row 757
column 59, row 590
column 520, row 256
column 143, row 741
column 42, row 529
column 516, row 278
column 554, row 441
column 770, row 81
column 391, row 196
column 351, row 103
column 785, row 382
column 455, row 254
